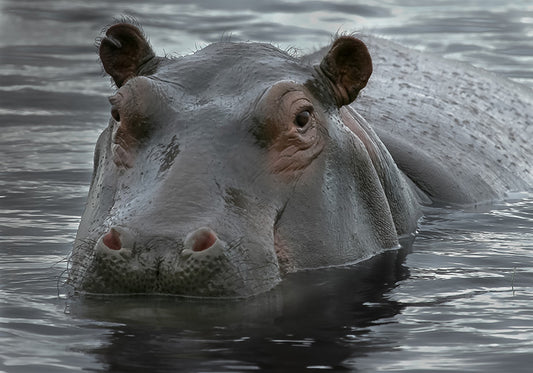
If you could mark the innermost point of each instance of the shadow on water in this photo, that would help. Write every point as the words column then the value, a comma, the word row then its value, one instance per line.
column 313, row 320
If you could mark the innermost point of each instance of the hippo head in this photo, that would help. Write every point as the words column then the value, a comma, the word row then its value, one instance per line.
column 222, row 170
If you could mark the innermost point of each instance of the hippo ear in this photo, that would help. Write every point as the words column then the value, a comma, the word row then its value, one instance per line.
column 348, row 67
column 123, row 51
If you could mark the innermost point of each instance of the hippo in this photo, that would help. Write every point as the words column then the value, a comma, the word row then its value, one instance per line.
column 224, row 170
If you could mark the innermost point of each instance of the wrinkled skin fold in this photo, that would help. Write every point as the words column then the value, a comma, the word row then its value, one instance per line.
column 223, row 170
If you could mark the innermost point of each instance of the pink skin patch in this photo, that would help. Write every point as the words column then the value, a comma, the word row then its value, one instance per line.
column 203, row 240
column 350, row 122
column 283, row 254
column 112, row 240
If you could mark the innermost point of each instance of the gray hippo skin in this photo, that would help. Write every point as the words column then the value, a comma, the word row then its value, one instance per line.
column 223, row 170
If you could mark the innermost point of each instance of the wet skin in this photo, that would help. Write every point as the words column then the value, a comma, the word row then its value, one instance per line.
column 223, row 170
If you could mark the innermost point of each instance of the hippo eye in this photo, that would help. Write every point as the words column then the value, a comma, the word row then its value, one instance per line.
column 115, row 114
column 302, row 118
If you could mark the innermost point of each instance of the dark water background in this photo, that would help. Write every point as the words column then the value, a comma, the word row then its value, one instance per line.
column 459, row 299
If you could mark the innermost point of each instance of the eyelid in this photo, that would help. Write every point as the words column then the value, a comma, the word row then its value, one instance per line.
column 302, row 104
column 308, row 108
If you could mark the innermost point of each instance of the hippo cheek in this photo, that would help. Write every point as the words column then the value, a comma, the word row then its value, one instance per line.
column 401, row 199
column 351, row 219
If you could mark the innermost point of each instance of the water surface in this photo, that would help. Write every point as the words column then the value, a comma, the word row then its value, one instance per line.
column 460, row 298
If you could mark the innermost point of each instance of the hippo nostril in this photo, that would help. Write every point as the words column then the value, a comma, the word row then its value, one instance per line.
column 203, row 240
column 112, row 240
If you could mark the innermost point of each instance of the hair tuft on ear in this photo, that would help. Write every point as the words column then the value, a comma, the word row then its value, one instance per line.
column 348, row 67
column 123, row 50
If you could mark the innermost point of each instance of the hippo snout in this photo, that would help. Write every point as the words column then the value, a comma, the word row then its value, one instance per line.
column 200, row 264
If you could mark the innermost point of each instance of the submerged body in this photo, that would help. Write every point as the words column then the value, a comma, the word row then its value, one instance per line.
column 223, row 170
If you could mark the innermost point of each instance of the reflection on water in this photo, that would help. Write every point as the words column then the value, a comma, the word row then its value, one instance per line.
column 461, row 300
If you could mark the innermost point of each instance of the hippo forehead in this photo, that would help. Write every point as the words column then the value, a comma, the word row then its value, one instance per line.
column 232, row 69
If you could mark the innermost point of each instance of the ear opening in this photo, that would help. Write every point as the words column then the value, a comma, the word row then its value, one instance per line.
column 123, row 51
column 347, row 66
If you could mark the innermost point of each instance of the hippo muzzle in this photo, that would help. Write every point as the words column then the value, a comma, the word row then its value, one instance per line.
column 201, row 265
column 223, row 170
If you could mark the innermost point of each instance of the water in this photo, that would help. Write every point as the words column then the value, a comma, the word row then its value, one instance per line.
column 460, row 298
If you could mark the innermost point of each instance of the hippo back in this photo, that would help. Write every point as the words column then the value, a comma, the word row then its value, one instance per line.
column 462, row 134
